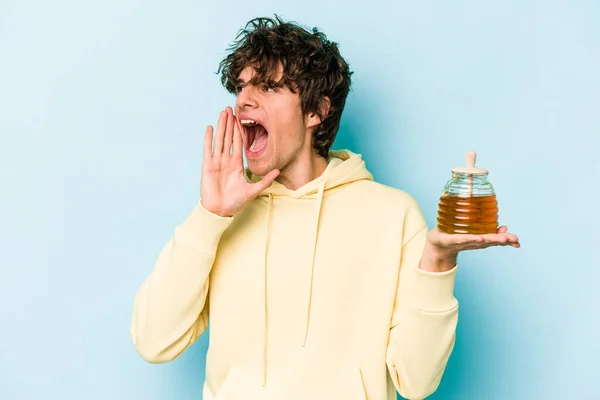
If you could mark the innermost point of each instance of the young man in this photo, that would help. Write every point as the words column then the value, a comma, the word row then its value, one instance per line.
column 319, row 283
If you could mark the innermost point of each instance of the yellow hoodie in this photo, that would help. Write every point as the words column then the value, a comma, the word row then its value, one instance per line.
column 312, row 293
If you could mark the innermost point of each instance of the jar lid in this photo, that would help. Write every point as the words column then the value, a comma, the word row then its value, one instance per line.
column 470, row 167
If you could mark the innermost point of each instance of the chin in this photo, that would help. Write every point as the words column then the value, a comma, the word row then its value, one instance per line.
column 259, row 168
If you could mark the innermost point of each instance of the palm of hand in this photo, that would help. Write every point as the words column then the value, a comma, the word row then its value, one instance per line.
column 224, row 190
column 454, row 243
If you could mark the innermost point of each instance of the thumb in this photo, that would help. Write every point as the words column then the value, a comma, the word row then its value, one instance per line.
column 265, row 182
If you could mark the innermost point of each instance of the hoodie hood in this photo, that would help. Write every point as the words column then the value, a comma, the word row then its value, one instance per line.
column 343, row 167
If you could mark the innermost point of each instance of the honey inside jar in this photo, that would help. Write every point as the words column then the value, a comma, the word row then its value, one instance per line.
column 476, row 215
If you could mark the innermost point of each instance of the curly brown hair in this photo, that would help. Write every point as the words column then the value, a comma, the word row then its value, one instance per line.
column 312, row 65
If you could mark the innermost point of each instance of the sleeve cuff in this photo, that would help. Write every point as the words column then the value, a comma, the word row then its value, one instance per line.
column 202, row 229
column 434, row 291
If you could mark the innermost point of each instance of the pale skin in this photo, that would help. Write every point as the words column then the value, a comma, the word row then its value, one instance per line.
column 290, row 159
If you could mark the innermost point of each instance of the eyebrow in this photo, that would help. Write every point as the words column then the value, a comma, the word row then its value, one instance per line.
column 270, row 82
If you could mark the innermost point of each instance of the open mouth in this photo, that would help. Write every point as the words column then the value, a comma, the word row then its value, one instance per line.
column 256, row 135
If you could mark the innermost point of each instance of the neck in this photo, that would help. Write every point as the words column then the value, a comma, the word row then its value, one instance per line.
column 302, row 171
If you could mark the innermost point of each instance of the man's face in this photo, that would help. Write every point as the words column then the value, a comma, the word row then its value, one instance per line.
column 274, row 130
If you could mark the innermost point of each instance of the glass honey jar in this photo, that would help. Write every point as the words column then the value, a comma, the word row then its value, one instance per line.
column 468, row 202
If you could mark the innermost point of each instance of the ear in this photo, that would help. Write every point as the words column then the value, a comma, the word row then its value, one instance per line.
column 312, row 119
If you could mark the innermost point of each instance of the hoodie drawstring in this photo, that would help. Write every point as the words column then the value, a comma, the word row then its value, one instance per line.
column 266, row 332
column 312, row 264
column 312, row 270
column 343, row 168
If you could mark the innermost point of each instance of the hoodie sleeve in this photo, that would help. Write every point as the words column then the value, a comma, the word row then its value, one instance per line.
column 170, row 308
column 423, row 326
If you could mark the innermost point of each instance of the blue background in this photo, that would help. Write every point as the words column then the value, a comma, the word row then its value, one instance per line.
column 103, row 107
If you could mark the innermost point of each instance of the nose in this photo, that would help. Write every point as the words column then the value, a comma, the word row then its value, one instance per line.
column 246, row 97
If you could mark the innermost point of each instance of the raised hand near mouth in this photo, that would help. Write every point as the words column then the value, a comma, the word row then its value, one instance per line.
column 223, row 189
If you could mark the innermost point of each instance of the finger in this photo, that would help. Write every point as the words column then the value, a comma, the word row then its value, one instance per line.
column 516, row 245
column 495, row 238
column 238, row 142
column 228, row 132
column 503, row 241
column 462, row 239
column 485, row 245
column 218, row 150
column 489, row 242
column 208, row 141
column 264, row 183
column 504, row 230
column 501, row 238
